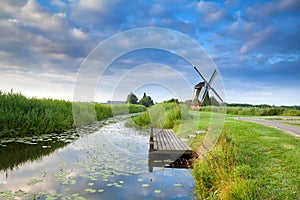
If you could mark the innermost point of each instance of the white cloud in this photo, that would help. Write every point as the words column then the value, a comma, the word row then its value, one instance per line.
column 98, row 5
column 257, row 39
column 77, row 33
column 211, row 12
column 270, row 9
column 34, row 15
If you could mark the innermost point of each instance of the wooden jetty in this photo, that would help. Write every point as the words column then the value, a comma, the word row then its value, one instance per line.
column 166, row 150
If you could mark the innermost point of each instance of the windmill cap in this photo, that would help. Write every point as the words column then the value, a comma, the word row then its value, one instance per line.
column 199, row 85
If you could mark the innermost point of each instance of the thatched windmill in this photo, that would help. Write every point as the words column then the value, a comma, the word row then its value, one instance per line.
column 201, row 90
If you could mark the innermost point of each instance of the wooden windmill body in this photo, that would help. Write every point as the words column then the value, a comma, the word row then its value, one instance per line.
column 201, row 90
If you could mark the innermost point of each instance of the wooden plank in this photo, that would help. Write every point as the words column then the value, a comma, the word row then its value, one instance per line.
column 176, row 141
column 179, row 145
column 165, row 139
column 168, row 150
column 173, row 143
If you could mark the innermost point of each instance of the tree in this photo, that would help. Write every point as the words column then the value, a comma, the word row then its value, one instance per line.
column 146, row 101
column 131, row 98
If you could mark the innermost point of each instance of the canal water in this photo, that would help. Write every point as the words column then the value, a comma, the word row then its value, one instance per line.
column 110, row 162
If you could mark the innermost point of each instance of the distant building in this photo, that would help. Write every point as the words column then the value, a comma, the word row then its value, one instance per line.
column 116, row 102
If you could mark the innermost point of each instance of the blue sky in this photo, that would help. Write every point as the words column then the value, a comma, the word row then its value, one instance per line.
column 254, row 44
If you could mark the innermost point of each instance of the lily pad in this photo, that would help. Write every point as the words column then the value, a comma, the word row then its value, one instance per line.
column 178, row 185
column 140, row 180
column 90, row 190
column 34, row 181
column 101, row 190
column 157, row 191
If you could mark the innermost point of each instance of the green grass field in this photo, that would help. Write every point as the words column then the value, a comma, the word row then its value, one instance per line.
column 250, row 161
column 255, row 111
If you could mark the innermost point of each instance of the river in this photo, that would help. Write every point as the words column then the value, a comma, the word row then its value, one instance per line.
column 110, row 162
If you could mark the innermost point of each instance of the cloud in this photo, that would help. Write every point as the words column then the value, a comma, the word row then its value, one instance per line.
column 246, row 39
column 31, row 14
column 271, row 9
column 210, row 12
column 77, row 33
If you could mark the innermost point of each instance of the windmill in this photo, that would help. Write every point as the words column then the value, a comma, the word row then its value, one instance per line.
column 202, row 89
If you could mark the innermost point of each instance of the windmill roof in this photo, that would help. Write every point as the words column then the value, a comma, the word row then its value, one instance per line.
column 199, row 85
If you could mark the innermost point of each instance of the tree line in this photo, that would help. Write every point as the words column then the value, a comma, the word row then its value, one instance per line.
column 145, row 100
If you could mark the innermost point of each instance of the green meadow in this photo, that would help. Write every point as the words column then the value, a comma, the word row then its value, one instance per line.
column 255, row 111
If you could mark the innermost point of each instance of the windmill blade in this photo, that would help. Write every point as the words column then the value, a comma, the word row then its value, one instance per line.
column 208, row 84
column 204, row 95
column 212, row 78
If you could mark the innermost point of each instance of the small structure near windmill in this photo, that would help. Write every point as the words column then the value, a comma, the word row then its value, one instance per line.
column 201, row 91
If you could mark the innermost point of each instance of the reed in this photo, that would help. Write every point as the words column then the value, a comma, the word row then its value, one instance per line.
column 22, row 116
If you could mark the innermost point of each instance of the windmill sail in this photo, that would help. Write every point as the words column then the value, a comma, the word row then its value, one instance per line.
column 208, row 85
column 205, row 91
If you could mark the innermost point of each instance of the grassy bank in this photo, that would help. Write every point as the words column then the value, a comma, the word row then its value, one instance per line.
column 255, row 111
column 250, row 161
column 21, row 116
column 164, row 115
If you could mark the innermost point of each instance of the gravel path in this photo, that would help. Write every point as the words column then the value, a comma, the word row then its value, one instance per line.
column 278, row 124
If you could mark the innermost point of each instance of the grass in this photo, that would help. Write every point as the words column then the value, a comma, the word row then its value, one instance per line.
column 255, row 111
column 164, row 115
column 250, row 161
column 21, row 116
column 292, row 124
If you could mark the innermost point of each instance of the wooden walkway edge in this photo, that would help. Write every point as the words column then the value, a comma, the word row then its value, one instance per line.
column 167, row 150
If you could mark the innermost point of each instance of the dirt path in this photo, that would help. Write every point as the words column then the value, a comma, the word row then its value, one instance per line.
column 278, row 124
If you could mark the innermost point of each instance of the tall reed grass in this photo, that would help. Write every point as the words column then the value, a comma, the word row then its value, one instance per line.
column 218, row 175
column 22, row 116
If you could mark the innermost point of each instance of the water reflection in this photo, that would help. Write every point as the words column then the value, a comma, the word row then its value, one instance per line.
column 111, row 163
column 15, row 154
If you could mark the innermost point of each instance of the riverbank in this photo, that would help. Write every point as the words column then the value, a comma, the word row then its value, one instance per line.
column 21, row 116
column 250, row 161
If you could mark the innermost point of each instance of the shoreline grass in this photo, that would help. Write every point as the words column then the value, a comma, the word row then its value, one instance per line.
column 163, row 115
column 22, row 116
column 250, row 161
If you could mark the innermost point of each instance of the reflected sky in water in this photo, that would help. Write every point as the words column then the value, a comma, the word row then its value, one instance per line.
column 111, row 163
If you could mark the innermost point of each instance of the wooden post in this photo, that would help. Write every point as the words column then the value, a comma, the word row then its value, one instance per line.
column 151, row 142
